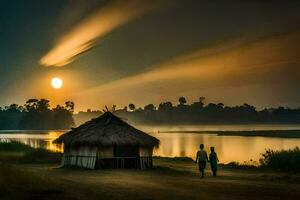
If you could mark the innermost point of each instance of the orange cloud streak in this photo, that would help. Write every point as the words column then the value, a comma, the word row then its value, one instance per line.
column 84, row 35
column 228, row 65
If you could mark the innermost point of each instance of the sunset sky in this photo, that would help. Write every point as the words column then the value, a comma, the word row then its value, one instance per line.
column 119, row 52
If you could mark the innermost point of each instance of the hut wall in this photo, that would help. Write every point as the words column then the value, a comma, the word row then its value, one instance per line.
column 105, row 152
column 105, row 157
column 145, row 157
column 83, row 156
column 146, row 151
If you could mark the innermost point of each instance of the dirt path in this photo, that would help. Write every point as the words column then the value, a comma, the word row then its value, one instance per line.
column 171, row 180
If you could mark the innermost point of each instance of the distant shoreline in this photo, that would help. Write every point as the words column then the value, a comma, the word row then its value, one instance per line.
column 262, row 133
column 294, row 133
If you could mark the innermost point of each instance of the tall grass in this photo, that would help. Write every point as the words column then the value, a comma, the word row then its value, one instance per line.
column 284, row 160
column 18, row 152
column 14, row 146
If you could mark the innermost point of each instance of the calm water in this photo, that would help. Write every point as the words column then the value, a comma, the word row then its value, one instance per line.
column 229, row 148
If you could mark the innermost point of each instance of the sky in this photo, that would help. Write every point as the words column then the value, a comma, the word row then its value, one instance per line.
column 138, row 51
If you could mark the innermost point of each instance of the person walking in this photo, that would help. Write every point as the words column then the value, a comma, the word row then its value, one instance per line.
column 213, row 159
column 201, row 159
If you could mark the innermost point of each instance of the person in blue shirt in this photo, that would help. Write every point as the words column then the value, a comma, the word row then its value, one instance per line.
column 213, row 159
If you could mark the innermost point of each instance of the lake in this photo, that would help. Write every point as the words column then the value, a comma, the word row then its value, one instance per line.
column 229, row 148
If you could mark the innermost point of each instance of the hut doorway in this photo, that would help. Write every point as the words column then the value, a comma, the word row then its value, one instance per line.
column 121, row 157
column 126, row 151
column 126, row 156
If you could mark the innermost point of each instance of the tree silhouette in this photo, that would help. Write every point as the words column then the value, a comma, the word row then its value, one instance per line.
column 149, row 108
column 114, row 107
column 31, row 104
column 182, row 100
column 43, row 105
column 36, row 114
column 165, row 106
column 131, row 107
column 70, row 106
column 201, row 100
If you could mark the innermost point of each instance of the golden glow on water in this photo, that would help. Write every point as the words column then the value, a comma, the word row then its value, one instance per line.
column 229, row 148
column 35, row 140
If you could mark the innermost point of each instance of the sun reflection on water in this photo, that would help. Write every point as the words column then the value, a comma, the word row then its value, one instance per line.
column 228, row 148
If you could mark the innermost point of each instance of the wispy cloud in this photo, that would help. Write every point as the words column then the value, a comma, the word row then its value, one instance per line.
column 236, row 66
column 82, row 37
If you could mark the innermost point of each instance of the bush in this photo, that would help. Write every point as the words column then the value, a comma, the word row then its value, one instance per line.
column 284, row 160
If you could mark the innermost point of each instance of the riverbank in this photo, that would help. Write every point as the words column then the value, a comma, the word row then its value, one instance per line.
column 262, row 133
column 170, row 178
column 28, row 173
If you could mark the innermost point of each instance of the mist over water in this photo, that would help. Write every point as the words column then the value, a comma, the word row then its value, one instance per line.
column 178, row 144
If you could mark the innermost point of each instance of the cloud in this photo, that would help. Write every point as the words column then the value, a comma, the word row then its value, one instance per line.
column 83, row 36
column 267, row 66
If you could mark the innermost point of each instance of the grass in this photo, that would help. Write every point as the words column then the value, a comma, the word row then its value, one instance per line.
column 41, row 156
column 285, row 160
column 19, row 184
column 166, row 180
column 35, row 175
column 15, row 152
column 14, row 147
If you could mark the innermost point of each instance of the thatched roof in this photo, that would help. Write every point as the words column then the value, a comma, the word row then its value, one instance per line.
column 106, row 130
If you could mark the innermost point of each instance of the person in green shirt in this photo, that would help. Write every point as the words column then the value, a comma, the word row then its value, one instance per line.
column 213, row 159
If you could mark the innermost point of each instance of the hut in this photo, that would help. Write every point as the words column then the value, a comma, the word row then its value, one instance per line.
column 107, row 142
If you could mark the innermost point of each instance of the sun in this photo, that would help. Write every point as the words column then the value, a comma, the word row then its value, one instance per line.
column 57, row 82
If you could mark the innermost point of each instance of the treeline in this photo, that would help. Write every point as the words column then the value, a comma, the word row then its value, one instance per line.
column 198, row 113
column 36, row 114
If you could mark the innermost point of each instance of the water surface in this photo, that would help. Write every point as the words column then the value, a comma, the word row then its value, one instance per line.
column 229, row 148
